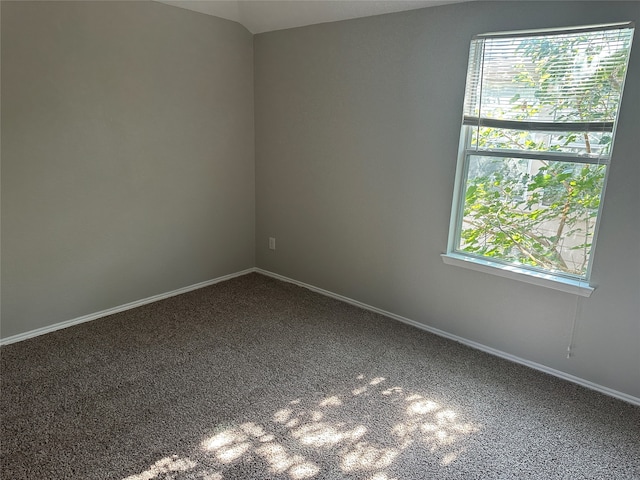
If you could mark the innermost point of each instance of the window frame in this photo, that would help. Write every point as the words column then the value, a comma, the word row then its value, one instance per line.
column 579, row 285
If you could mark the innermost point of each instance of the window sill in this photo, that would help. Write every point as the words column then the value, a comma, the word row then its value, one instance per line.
column 520, row 274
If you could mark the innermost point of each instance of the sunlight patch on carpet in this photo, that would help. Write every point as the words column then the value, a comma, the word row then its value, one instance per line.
column 164, row 466
column 342, row 431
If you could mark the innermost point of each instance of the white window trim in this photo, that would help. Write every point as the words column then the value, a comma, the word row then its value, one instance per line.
column 576, row 286
column 514, row 272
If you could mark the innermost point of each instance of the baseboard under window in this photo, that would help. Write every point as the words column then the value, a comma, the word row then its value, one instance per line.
column 478, row 346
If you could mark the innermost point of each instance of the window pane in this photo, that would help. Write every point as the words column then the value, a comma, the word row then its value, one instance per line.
column 540, row 114
column 593, row 144
column 531, row 212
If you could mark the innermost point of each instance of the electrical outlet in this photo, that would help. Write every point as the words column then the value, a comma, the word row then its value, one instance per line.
column 272, row 243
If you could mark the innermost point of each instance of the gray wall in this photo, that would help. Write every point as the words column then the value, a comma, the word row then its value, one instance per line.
column 357, row 128
column 128, row 170
column 127, row 155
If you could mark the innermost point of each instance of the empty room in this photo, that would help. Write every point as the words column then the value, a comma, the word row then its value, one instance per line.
column 313, row 239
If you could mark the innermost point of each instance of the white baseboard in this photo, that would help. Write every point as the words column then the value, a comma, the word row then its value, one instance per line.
column 110, row 311
column 478, row 346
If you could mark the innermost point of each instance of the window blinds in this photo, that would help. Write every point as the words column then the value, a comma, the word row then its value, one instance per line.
column 567, row 81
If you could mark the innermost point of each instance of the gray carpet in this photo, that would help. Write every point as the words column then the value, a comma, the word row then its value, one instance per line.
column 256, row 378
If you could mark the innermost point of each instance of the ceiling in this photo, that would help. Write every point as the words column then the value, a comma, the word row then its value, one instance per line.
column 260, row 16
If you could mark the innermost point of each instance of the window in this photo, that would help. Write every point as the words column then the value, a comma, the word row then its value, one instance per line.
column 540, row 115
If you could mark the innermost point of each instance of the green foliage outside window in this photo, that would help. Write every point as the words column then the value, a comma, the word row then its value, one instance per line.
column 533, row 211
